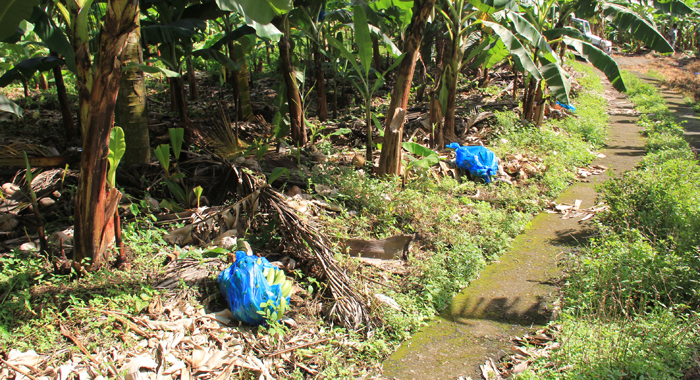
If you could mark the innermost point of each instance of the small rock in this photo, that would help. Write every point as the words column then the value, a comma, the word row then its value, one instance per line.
column 503, row 141
column 29, row 246
column 294, row 191
column 358, row 161
column 46, row 202
column 226, row 240
column 8, row 222
column 319, row 157
column 153, row 204
column 56, row 194
column 9, row 189
column 66, row 235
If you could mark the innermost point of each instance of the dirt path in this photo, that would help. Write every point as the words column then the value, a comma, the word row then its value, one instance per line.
column 515, row 294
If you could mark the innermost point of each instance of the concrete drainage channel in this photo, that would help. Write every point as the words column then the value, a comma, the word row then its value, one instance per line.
column 516, row 294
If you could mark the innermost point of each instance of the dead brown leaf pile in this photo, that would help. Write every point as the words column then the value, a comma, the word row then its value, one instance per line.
column 524, row 350
column 178, row 341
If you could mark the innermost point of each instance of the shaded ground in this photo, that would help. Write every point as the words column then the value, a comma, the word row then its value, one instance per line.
column 517, row 293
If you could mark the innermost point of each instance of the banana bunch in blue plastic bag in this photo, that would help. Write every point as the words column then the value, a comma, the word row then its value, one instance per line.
column 254, row 289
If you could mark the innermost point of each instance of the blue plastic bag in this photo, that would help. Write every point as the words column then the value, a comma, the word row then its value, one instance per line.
column 567, row 107
column 247, row 291
column 479, row 161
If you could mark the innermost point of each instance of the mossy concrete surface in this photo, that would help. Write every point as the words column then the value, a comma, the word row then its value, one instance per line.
column 517, row 293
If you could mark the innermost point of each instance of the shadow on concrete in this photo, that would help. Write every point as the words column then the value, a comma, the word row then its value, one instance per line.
column 633, row 151
column 573, row 237
column 501, row 309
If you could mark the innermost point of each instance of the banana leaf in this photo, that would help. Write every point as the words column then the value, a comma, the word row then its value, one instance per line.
column 262, row 11
column 12, row 12
column 491, row 6
column 233, row 35
column 674, row 8
column 556, row 80
column 553, row 34
column 520, row 55
column 215, row 55
column 638, row 27
column 362, row 38
column 529, row 32
column 52, row 36
column 170, row 33
column 599, row 60
column 7, row 105
column 28, row 67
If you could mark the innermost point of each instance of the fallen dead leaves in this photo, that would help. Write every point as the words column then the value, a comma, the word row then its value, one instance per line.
column 569, row 211
column 524, row 350
column 521, row 167
column 182, row 342
column 582, row 174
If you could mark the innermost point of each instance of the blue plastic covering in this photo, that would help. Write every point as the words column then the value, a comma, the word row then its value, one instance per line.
column 568, row 107
column 479, row 161
column 244, row 287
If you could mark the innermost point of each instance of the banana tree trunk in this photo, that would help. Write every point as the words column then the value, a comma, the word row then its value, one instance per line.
column 322, row 108
column 232, row 79
column 68, row 125
column 43, row 83
column 179, row 99
column 390, row 159
column 295, row 110
column 515, row 84
column 425, row 51
column 438, row 138
column 538, row 113
column 376, row 55
column 245, row 107
column 95, row 205
column 529, row 97
column 335, row 95
column 450, row 83
column 83, row 63
column 192, row 80
column 485, row 79
column 452, row 57
column 132, row 110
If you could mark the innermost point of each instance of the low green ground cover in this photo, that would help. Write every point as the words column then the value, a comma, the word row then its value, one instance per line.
column 631, row 296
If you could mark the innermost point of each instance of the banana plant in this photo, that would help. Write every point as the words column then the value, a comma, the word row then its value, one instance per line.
column 117, row 148
column 456, row 15
column 364, row 86
column 174, row 27
column 307, row 18
column 527, row 33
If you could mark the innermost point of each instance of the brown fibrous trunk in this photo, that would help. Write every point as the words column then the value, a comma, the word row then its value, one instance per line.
column 390, row 160
column 68, row 125
column 95, row 205
column 295, row 111
column 322, row 109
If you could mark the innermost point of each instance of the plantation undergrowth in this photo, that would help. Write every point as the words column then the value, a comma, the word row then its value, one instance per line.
column 456, row 234
column 631, row 296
